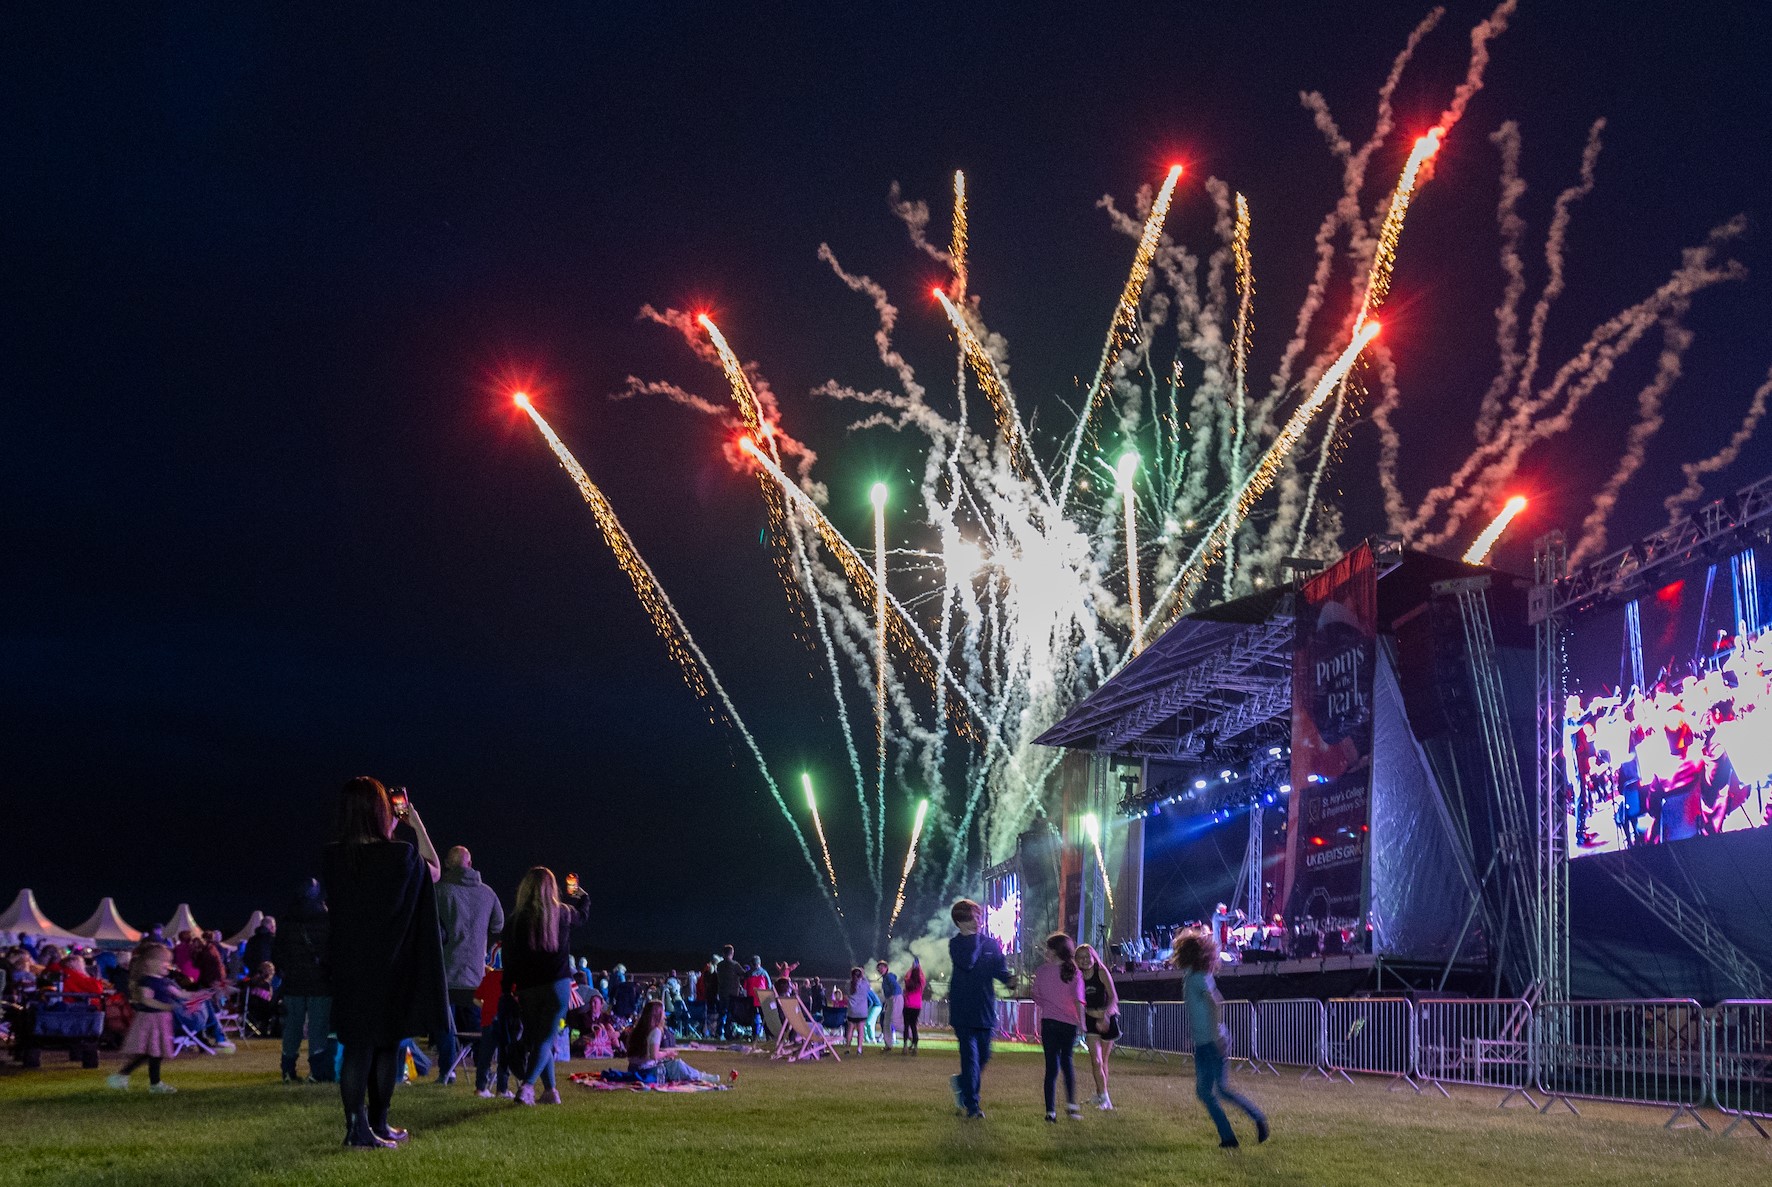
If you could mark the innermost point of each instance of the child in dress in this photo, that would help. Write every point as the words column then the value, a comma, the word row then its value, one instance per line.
column 155, row 998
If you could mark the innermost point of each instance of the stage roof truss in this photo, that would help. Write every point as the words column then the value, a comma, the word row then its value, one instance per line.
column 1204, row 682
column 1629, row 571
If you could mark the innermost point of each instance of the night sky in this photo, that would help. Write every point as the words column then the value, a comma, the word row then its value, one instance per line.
column 270, row 520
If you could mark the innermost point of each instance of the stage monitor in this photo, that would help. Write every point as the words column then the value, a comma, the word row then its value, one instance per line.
column 1667, row 717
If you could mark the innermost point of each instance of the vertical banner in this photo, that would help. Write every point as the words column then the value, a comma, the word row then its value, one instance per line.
column 1332, row 666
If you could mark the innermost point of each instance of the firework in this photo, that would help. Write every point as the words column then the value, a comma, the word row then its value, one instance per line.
column 1123, row 475
column 1125, row 322
column 1481, row 546
column 1245, row 265
column 878, row 497
column 1092, row 828
column 682, row 646
column 957, row 241
column 823, row 847
column 910, row 860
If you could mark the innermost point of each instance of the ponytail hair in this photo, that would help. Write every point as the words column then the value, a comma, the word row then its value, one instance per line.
column 1061, row 946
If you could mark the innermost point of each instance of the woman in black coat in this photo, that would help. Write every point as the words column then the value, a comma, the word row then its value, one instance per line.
column 385, row 953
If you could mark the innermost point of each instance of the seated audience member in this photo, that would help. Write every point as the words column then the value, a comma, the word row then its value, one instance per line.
column 75, row 978
column 651, row 1060
column 261, row 998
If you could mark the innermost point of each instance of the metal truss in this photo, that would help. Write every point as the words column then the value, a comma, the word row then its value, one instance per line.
column 1691, row 922
column 1235, row 668
column 1745, row 514
column 1515, row 822
column 1550, row 562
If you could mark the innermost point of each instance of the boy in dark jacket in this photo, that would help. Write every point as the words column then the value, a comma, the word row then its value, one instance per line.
column 972, row 999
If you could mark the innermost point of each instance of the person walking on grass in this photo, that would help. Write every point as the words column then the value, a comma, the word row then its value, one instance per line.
column 537, row 964
column 1101, row 1019
column 384, row 952
column 914, row 983
column 155, row 998
column 471, row 916
column 978, row 963
column 1196, row 954
column 1058, row 996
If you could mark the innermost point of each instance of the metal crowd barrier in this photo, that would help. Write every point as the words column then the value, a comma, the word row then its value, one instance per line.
column 1291, row 1032
column 1018, row 1021
column 1741, row 1062
column 1481, row 1041
column 935, row 1013
column 1240, row 1034
column 1375, row 1035
column 1647, row 1052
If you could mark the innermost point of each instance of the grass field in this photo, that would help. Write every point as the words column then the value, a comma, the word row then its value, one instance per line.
column 878, row 1119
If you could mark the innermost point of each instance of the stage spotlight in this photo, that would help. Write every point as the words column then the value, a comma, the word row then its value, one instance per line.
column 1224, row 774
column 1273, row 752
column 1285, row 788
column 1199, row 785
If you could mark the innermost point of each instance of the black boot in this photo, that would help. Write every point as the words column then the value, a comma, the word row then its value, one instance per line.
column 360, row 1136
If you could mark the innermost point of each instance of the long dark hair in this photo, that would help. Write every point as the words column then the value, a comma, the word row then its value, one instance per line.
column 536, row 915
column 364, row 813
column 914, row 976
column 651, row 1018
column 1061, row 946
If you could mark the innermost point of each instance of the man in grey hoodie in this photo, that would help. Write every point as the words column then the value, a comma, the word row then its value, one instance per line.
column 470, row 916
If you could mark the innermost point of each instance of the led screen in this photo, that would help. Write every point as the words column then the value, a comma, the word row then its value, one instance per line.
column 1667, row 718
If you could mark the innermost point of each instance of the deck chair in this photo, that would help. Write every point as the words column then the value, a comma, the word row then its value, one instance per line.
column 769, row 1006
column 803, row 1036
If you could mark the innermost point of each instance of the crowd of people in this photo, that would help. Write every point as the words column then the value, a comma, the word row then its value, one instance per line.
column 394, row 944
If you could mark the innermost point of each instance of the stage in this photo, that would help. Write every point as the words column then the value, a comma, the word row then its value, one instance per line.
column 1320, row 977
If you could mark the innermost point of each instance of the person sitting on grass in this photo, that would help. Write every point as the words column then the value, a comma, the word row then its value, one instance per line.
column 1196, row 954
column 156, row 998
column 652, row 1057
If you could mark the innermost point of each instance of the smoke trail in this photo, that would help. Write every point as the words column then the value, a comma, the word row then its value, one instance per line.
column 1124, row 322
column 1527, row 368
column 1578, row 378
column 1675, row 340
column 1485, row 32
column 1507, row 314
column 1683, row 498
column 659, row 606
column 1346, row 211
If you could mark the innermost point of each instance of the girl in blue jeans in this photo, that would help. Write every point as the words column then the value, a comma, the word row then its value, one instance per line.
column 1196, row 954
column 538, row 965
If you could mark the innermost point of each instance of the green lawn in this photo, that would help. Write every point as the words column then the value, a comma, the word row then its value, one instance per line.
column 880, row 1119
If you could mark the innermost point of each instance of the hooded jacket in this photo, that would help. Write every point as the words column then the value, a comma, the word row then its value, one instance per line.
column 469, row 913
column 972, row 999
column 299, row 947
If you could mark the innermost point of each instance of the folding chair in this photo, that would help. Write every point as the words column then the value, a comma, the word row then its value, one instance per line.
column 769, row 1006
column 186, row 1034
column 802, row 1036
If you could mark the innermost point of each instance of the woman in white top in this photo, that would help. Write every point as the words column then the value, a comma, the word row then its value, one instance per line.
column 651, row 1060
column 861, row 1005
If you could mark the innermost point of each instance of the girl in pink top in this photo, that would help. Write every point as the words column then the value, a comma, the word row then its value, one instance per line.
column 914, row 982
column 1058, row 995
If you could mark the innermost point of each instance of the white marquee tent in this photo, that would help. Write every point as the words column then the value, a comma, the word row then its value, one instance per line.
column 182, row 921
column 107, row 927
column 26, row 918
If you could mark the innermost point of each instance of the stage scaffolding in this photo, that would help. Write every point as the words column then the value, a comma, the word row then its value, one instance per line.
column 1715, row 528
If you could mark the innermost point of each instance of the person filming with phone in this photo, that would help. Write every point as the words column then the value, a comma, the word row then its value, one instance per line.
column 384, row 952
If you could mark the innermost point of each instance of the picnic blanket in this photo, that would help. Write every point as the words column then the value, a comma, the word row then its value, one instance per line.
column 612, row 1080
